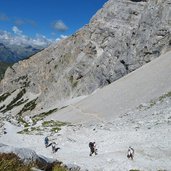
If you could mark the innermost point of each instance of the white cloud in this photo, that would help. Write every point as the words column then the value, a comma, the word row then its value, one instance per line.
column 61, row 37
column 16, row 30
column 23, row 40
column 60, row 26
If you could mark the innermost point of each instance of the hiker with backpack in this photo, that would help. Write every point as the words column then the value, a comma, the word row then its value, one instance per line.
column 46, row 141
column 54, row 147
column 92, row 146
column 130, row 153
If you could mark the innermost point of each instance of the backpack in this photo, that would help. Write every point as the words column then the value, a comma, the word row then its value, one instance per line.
column 91, row 144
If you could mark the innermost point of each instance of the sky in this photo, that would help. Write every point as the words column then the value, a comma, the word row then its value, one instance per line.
column 48, row 19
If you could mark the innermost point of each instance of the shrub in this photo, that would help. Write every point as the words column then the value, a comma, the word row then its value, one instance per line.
column 11, row 162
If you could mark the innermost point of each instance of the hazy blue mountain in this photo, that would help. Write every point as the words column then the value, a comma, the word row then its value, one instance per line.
column 15, row 53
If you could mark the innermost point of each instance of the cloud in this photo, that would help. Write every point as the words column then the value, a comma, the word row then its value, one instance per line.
column 16, row 30
column 60, row 26
column 61, row 37
column 3, row 17
column 23, row 40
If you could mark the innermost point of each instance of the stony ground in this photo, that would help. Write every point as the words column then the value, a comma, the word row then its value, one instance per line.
column 146, row 128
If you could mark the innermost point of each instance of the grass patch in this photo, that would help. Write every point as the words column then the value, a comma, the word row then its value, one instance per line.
column 3, row 106
column 54, row 126
column 4, row 96
column 53, row 123
column 21, row 120
column 24, row 131
column 11, row 162
column 154, row 102
column 134, row 170
column 30, row 131
column 28, row 106
column 165, row 96
column 18, row 100
column 58, row 168
column 42, row 115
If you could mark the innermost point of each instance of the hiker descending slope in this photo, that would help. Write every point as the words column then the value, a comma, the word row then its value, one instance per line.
column 130, row 153
column 54, row 147
column 46, row 141
column 92, row 146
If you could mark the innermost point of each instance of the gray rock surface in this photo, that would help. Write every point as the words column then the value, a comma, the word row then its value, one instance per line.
column 27, row 155
column 121, row 37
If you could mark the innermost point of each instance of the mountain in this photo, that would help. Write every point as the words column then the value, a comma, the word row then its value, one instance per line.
column 17, row 48
column 10, row 54
column 121, row 37
column 15, row 53
column 132, row 111
column 108, row 83
column 5, row 53
column 149, row 82
column 3, row 67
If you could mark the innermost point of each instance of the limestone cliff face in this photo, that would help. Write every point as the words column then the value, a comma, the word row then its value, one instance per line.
column 121, row 37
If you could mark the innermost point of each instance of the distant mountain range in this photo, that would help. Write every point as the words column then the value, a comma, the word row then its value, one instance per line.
column 14, row 48
column 15, row 53
column 10, row 54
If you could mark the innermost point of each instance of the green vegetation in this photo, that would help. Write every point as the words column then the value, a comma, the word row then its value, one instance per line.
column 160, row 99
column 11, row 162
column 134, row 170
column 154, row 102
column 21, row 120
column 4, row 96
column 165, row 96
column 18, row 100
column 42, row 115
column 54, row 125
column 58, row 168
column 30, row 131
column 28, row 106
column 24, row 131
column 2, row 107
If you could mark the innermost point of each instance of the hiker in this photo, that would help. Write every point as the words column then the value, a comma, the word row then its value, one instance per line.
column 130, row 153
column 54, row 148
column 93, row 149
column 4, row 130
column 46, row 142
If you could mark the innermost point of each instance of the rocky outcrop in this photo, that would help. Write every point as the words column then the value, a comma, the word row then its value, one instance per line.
column 121, row 37
column 25, row 154
column 29, row 156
